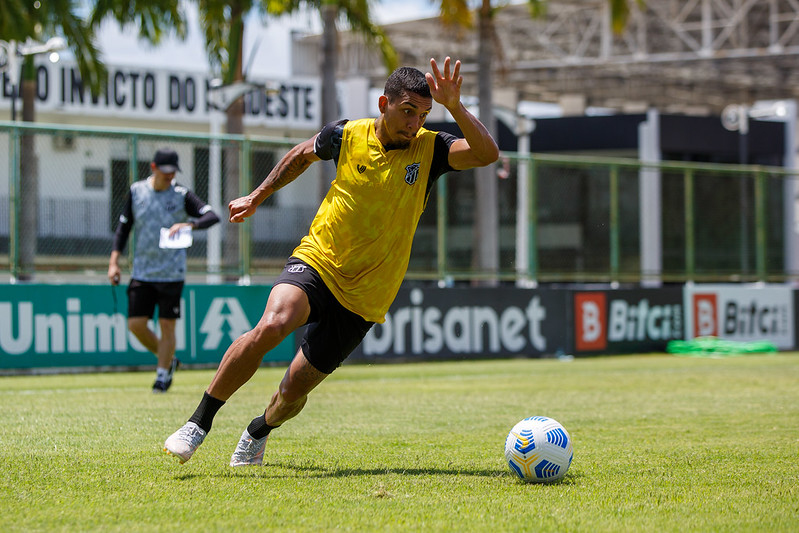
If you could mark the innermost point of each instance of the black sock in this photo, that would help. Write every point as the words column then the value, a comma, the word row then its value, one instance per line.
column 258, row 428
column 204, row 414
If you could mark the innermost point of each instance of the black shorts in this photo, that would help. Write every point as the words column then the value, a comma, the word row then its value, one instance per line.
column 143, row 296
column 333, row 331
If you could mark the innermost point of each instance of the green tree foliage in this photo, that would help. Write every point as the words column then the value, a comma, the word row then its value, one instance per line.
column 21, row 20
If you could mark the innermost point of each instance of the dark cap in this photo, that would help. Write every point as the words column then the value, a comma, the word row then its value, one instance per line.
column 166, row 160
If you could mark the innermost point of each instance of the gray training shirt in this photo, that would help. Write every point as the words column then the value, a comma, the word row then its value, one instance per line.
column 147, row 211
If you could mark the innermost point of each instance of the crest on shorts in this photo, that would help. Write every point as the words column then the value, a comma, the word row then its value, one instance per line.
column 412, row 173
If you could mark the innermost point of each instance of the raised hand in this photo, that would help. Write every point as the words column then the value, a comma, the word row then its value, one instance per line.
column 446, row 88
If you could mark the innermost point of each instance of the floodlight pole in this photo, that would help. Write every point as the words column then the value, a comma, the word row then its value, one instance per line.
column 743, row 159
column 650, row 201
column 220, row 97
column 790, row 196
column 736, row 118
column 214, row 243
column 524, row 128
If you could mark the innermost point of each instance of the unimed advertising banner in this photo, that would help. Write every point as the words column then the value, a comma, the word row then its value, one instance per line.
column 43, row 326
column 741, row 313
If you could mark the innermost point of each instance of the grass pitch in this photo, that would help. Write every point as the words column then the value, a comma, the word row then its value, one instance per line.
column 662, row 443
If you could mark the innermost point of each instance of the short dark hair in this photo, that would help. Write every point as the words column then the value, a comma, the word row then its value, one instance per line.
column 406, row 79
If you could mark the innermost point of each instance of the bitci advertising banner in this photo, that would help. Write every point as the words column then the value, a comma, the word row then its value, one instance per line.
column 741, row 313
column 451, row 323
column 627, row 320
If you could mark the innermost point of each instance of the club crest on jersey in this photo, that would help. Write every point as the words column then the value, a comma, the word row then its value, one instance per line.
column 296, row 269
column 412, row 173
column 361, row 169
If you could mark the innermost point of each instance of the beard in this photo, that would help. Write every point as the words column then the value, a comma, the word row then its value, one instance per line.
column 400, row 142
column 401, row 145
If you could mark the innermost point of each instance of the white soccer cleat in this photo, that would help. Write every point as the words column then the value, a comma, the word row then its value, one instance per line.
column 185, row 441
column 249, row 451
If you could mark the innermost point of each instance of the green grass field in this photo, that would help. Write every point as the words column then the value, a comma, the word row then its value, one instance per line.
column 662, row 443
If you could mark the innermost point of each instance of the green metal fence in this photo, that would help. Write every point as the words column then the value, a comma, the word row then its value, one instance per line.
column 716, row 222
column 579, row 218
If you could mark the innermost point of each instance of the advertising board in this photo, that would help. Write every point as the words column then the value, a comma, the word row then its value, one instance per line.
column 741, row 313
column 429, row 323
column 56, row 326
column 627, row 320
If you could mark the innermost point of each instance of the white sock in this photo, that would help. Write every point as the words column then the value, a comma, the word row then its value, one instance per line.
column 161, row 374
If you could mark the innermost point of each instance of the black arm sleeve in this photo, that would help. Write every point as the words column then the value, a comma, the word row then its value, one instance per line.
column 124, row 226
column 440, row 163
column 202, row 213
column 327, row 145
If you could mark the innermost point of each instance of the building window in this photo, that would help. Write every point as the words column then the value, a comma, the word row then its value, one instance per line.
column 93, row 178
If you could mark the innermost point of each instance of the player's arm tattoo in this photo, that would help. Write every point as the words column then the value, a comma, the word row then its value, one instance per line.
column 287, row 171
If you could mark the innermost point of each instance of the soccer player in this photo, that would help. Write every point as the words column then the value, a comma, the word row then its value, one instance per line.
column 345, row 273
column 158, row 272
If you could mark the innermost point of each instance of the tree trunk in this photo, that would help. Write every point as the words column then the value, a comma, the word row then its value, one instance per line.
column 29, row 177
column 328, row 66
column 485, row 256
column 232, row 172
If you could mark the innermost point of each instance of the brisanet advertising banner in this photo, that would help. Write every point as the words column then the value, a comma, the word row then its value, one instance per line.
column 429, row 323
column 54, row 326
column 745, row 313
column 627, row 320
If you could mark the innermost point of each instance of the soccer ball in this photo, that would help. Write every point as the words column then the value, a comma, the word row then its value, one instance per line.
column 539, row 449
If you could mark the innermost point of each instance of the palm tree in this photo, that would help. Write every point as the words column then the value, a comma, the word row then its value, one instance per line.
column 38, row 21
column 223, row 24
column 356, row 14
column 224, row 32
column 23, row 20
column 485, row 256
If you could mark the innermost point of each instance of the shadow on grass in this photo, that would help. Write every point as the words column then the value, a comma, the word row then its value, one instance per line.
column 283, row 469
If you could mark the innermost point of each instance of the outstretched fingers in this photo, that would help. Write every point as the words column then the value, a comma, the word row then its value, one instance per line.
column 446, row 76
column 456, row 72
column 445, row 87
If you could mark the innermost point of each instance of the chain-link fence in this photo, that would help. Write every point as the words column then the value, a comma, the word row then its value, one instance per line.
column 64, row 188
column 579, row 219
column 588, row 217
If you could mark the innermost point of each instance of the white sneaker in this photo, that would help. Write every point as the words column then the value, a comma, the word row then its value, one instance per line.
column 183, row 443
column 249, row 451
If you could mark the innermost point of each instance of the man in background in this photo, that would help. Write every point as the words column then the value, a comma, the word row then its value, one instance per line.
column 153, row 206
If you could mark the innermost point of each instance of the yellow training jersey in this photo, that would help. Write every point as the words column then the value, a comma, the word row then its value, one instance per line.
column 360, row 239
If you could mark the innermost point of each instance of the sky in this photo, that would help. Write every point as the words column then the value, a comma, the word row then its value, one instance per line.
column 267, row 47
